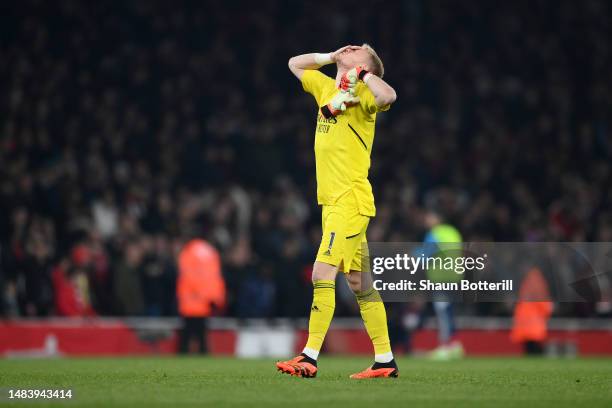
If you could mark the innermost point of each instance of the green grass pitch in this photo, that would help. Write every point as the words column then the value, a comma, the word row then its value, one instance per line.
column 228, row 382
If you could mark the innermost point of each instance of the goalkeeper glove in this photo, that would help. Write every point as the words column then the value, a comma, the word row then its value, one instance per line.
column 350, row 78
column 339, row 103
column 355, row 74
column 346, row 96
column 348, row 83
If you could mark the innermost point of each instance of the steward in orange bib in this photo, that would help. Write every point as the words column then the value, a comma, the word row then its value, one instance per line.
column 200, row 290
column 532, row 312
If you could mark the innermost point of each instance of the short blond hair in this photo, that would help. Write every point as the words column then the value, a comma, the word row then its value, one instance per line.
column 377, row 67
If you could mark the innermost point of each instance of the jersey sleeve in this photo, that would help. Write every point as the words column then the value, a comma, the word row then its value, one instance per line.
column 368, row 102
column 314, row 82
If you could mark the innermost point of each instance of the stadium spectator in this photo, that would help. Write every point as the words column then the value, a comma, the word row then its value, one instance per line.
column 127, row 282
column 72, row 287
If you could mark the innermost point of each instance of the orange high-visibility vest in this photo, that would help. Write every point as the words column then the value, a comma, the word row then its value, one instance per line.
column 533, row 309
column 200, row 283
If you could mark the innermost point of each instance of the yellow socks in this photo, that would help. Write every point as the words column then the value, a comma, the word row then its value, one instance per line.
column 374, row 318
column 372, row 312
column 321, row 314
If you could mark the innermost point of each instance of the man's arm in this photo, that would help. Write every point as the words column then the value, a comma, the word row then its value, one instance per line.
column 300, row 63
column 382, row 91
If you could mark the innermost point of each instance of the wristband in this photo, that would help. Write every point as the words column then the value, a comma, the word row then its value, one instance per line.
column 326, row 112
column 323, row 59
column 362, row 74
column 367, row 77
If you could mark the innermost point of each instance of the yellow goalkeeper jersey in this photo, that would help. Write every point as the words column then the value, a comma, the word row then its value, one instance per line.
column 343, row 144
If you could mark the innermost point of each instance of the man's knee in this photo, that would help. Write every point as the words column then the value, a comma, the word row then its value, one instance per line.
column 354, row 281
column 323, row 271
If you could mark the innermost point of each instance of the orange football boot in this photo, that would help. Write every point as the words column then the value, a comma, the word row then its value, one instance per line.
column 375, row 371
column 298, row 366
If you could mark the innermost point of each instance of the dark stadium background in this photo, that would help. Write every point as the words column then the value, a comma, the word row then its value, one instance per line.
column 125, row 126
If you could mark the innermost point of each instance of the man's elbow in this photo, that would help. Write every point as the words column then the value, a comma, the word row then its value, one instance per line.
column 293, row 67
column 387, row 98
column 291, row 63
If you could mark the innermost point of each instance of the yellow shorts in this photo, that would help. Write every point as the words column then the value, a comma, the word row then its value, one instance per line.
column 344, row 232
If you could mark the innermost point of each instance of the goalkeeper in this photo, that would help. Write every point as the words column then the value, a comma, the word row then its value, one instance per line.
column 344, row 136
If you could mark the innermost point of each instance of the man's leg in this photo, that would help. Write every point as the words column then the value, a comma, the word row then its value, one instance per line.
column 323, row 305
column 447, row 347
column 374, row 318
column 202, row 335
column 329, row 256
column 321, row 314
column 183, row 343
column 373, row 313
column 184, row 336
column 445, row 322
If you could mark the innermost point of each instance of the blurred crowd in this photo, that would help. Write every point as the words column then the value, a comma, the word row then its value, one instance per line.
column 127, row 127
